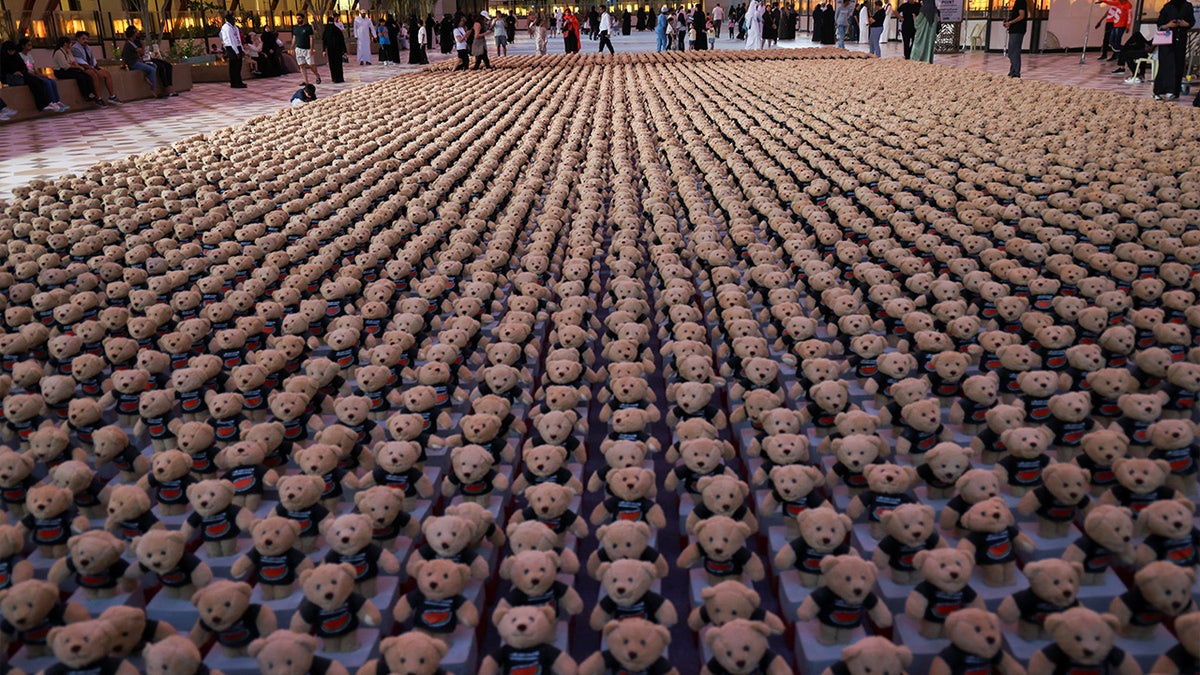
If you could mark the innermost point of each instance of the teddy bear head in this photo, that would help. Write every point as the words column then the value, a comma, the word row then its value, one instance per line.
column 1054, row 580
column 627, row 579
column 549, row 500
column 397, row 456
column 448, row 535
column 275, row 535
column 988, row 515
column 1085, row 636
column 1141, row 476
column 222, row 603
column 631, row 483
column 480, row 428
column 381, row 504
column 556, row 426
column 975, row 631
column 47, row 501
column 300, row 492
column 79, row 644
column 739, row 645
column 440, row 579
column 701, row 455
column 946, row 568
column 848, row 576
column 328, row 585
column 284, row 652
column 209, row 497
column 910, row 524
column 1166, row 586
column 172, row 654
column 1169, row 519
column 889, row 478
column 1027, row 441
column 924, row 415
column 875, row 655
column 471, row 463
column 786, row 448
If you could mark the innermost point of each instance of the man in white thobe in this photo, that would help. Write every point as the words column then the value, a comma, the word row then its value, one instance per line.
column 364, row 33
column 754, row 24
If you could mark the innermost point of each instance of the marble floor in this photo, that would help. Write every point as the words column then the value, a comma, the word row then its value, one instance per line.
column 52, row 146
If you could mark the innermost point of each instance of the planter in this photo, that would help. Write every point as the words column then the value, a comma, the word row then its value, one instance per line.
column 199, row 60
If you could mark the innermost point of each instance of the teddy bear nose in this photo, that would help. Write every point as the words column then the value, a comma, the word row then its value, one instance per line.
column 633, row 656
column 620, row 590
column 75, row 649
column 433, row 585
column 741, row 664
column 1088, row 653
column 991, row 639
column 521, row 628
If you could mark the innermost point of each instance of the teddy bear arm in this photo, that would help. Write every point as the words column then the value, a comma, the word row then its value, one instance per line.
column 1039, row 663
column 198, row 635
column 242, row 567
column 592, row 665
column 369, row 614
column 807, row 611
column 855, row 508
column 468, row 614
column 739, row 413
column 1119, row 609
column 1008, row 610
column 755, row 568
column 688, row 557
column 58, row 573
column 939, row 667
column 657, row 517
column 448, row 489
column 245, row 519
column 564, row 665
column 298, row 624
column 598, row 618
column 488, row 667
column 1028, row 504
column 1024, row 543
column 572, row 602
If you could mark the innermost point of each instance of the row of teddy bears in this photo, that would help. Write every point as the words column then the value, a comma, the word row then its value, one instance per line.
column 810, row 264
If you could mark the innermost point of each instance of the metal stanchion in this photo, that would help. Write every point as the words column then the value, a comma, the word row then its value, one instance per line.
column 1087, row 33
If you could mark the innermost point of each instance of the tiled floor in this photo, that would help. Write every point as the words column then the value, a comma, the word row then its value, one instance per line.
column 53, row 146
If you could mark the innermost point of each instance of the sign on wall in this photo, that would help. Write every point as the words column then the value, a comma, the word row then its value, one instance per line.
column 951, row 10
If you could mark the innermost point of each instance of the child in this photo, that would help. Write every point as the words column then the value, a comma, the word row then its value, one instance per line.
column 305, row 94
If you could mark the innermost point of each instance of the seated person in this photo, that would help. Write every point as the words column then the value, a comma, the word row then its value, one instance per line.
column 87, row 61
column 6, row 113
column 164, row 72
column 65, row 68
column 1136, row 47
column 305, row 94
column 254, row 52
column 131, row 56
column 16, row 69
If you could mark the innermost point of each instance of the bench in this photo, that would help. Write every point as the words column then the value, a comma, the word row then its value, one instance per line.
column 130, row 86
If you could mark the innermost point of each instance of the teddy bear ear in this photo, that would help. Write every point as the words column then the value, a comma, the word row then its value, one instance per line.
column 603, row 569
column 1109, row 619
column 349, row 570
column 829, row 562
column 256, row 647
column 306, row 574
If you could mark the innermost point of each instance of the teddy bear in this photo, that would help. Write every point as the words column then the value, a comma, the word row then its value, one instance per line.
column 168, row 480
column 910, row 529
column 198, row 441
column 627, row 595
column 740, row 646
column 242, row 465
column 84, row 417
column 892, row 367
column 1138, row 413
column 300, row 500
column 1107, row 538
column 870, row 655
column 1070, row 420
column 163, row 553
column 332, row 608
column 550, row 504
column 722, row 496
column 945, row 588
column 94, row 561
column 174, row 654
column 321, row 460
column 134, row 630
column 731, row 600
column 1174, row 440
column 291, row 411
column 625, row 539
column 190, row 386
column 1185, row 656
column 397, row 466
column 449, row 537
column 718, row 545
column 350, row 541
column 29, row 609
column 921, row 429
column 1106, row 386
column 528, row 637
column 485, row 430
column 86, row 646
column 215, row 517
column 822, row 532
column 1181, row 386
column 1021, row 469
column 692, row 400
column 1099, row 449
column 1062, row 497
column 1083, row 640
column 632, row 491
column 16, row 477
column 1170, row 534
column 888, row 486
column 1053, row 587
column 634, row 646
column 557, row 428
column 1139, row 483
column 110, row 444
column 14, row 568
column 975, row 645
column 286, row 652
column 249, row 380
column 992, row 539
column 699, row 458
column 472, row 476
column 273, row 564
column 225, row 417
column 224, row 612
column 436, row 605
column 988, row 443
column 826, row 400
column 50, row 445
column 50, row 520
column 978, row 394
column 482, row 521
column 385, row 508
column 534, row 578
column 846, row 596
column 944, row 464
column 154, row 409
column 545, row 464
column 90, row 491
column 413, row 652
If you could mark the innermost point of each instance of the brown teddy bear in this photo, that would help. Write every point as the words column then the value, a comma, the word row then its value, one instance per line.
column 216, row 518
column 332, row 608
column 1107, row 540
column 740, row 646
column 1053, row 587
column 174, row 654
column 164, row 554
column 285, row 652
column 350, row 541
column 625, row 539
column 822, row 533
column 242, row 465
column 30, row 609
column 1083, row 641
column 300, row 500
column 198, row 440
column 731, row 600
column 413, row 652
column 627, row 595
column 1021, row 469
column 945, row 588
column 385, row 508
column 16, row 477
column 699, row 457
column 1170, row 534
column 545, row 464
column 922, row 429
column 472, row 475
column 1140, row 483
column 1185, row 656
column 888, row 486
column 224, row 612
column 169, row 479
column 14, row 568
column 322, row 461
column 94, row 560
column 273, row 564
column 633, row 490
column 975, row 644
column 992, row 539
column 1174, row 440
column 528, row 637
column 944, row 464
column 718, row 545
column 1062, row 497
column 845, row 600
column 1100, row 449
column 910, row 529
column 450, row 538
column 50, row 520
column 436, row 605
column 89, row 490
column 550, row 504
column 110, row 444
column 1161, row 590
column 870, row 655
column 979, row 393
column 535, row 583
column 86, row 646
column 134, row 630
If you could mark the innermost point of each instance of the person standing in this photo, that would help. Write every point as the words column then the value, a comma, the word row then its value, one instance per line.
column 500, row 31
column 1107, row 20
column 1176, row 16
column 754, row 24
column 1018, row 18
column 540, row 33
column 418, row 46
column 841, row 19
column 302, row 35
column 1119, row 13
column 570, row 32
column 660, row 30
column 718, row 20
column 87, row 62
column 364, row 33
column 334, row 45
column 446, row 34
column 460, row 44
column 700, row 25
column 908, row 24
column 927, row 26
column 556, row 25
column 606, row 26
column 231, row 39
column 430, row 33
column 481, row 31
column 876, row 28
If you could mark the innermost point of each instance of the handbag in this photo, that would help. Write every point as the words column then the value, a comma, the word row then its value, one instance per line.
column 1162, row 37
column 15, row 80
